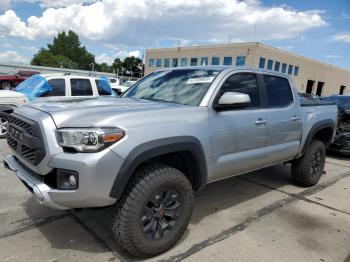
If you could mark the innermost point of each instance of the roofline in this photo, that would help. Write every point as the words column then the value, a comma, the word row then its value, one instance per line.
column 302, row 56
column 250, row 44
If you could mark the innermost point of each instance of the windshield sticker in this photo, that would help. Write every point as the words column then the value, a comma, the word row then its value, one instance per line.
column 200, row 80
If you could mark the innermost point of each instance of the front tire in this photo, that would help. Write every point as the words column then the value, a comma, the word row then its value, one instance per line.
column 154, row 212
column 3, row 124
column 307, row 170
column 5, row 85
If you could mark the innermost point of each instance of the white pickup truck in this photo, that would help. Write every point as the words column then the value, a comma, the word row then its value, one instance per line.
column 49, row 87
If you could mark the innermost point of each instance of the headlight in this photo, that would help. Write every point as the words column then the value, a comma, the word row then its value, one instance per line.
column 88, row 139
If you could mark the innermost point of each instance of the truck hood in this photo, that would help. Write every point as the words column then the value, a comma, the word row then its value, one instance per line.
column 102, row 111
column 11, row 94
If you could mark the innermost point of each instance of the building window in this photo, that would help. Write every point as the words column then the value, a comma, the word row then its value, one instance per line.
column 296, row 70
column 290, row 69
column 215, row 60
column 194, row 61
column 342, row 89
column 204, row 61
column 284, row 68
column 183, row 61
column 227, row 60
column 174, row 64
column 277, row 66
column 262, row 62
column 159, row 62
column 240, row 61
column 166, row 62
column 319, row 88
column 269, row 64
column 151, row 62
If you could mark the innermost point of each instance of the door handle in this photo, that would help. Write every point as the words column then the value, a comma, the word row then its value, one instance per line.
column 260, row 122
column 295, row 118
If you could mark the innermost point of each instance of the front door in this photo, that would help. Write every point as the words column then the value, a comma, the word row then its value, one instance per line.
column 239, row 135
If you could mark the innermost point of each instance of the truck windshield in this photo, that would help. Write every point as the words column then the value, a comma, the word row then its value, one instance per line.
column 181, row 86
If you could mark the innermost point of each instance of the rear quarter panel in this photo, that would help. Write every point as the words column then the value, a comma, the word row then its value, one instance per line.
column 315, row 114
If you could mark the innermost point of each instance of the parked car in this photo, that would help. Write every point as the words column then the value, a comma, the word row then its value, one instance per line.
column 49, row 87
column 341, row 141
column 12, row 79
column 170, row 134
column 114, row 82
column 123, row 87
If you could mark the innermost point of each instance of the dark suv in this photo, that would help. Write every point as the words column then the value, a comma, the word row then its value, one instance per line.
column 341, row 142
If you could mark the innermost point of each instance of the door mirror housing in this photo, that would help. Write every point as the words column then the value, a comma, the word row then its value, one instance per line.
column 231, row 100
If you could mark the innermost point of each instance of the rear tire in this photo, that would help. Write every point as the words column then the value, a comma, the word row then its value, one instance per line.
column 307, row 170
column 154, row 211
column 3, row 124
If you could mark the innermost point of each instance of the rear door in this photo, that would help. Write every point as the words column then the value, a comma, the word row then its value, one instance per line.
column 284, row 120
column 238, row 136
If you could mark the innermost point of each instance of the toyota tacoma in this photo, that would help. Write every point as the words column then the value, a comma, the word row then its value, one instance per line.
column 169, row 135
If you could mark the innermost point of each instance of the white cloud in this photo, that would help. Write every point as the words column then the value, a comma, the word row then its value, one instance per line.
column 109, row 58
column 6, row 45
column 30, row 48
column 341, row 37
column 5, row 4
column 104, row 58
column 59, row 3
column 144, row 22
column 333, row 56
column 12, row 56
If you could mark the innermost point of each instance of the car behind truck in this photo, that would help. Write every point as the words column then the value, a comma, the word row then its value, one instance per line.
column 171, row 134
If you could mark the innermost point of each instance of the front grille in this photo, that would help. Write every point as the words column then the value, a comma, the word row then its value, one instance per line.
column 20, row 123
column 25, row 138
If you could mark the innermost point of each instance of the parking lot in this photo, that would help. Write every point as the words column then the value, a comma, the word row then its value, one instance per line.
column 259, row 216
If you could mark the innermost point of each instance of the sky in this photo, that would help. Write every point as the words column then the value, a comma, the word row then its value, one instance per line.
column 319, row 29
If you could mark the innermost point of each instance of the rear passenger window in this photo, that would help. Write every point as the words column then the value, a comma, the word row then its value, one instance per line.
column 58, row 88
column 279, row 93
column 81, row 87
column 243, row 83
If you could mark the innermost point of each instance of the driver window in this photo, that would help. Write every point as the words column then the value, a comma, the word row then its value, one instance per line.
column 245, row 83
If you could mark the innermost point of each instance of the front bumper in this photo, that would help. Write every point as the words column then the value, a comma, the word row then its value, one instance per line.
column 39, row 189
column 97, row 173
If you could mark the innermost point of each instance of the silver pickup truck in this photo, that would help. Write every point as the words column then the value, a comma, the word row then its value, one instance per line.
column 171, row 134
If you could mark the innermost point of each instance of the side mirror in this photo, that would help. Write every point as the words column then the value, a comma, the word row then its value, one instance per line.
column 231, row 100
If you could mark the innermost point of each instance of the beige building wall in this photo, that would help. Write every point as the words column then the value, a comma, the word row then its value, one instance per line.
column 309, row 69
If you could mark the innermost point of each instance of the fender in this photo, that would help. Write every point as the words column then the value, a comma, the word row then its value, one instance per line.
column 156, row 148
column 7, row 108
column 327, row 123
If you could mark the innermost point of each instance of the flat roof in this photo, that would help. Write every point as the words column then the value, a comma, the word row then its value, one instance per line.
column 248, row 44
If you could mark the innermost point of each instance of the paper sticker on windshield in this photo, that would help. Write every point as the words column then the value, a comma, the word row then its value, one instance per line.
column 200, row 80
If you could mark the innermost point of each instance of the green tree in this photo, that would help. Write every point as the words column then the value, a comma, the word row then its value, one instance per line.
column 65, row 51
column 133, row 65
column 117, row 65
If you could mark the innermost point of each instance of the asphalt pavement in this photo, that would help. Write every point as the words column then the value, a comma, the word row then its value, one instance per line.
column 260, row 216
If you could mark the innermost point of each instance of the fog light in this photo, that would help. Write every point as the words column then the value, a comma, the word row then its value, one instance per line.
column 67, row 179
column 72, row 180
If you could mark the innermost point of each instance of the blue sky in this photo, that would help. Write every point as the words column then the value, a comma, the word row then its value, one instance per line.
column 117, row 28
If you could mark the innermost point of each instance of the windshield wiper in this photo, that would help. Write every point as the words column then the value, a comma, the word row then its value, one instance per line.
column 155, row 99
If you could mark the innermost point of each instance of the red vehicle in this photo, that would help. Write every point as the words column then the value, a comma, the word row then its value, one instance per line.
column 12, row 79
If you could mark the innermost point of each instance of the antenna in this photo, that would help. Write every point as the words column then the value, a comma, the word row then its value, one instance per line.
column 229, row 39
column 254, row 32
